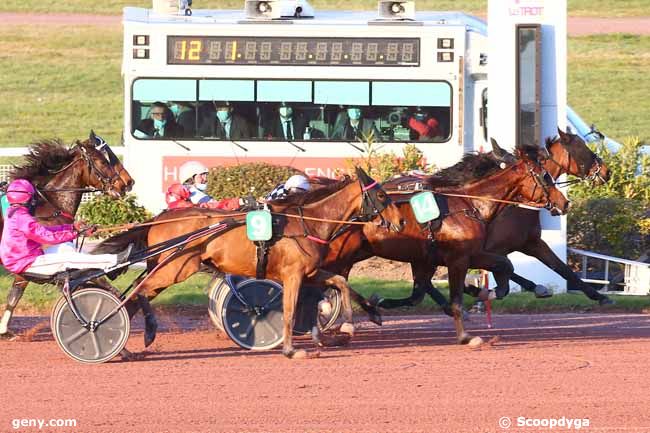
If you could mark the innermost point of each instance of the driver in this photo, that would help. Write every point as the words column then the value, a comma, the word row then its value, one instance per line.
column 191, row 192
column 28, row 246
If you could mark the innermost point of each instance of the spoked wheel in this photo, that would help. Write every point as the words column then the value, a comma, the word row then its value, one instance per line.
column 217, row 290
column 252, row 317
column 99, row 342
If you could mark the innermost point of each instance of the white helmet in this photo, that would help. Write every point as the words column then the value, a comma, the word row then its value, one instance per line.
column 297, row 181
column 189, row 170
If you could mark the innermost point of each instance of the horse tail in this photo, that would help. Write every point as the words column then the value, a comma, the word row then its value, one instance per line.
column 113, row 245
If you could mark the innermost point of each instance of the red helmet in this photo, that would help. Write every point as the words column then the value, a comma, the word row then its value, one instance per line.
column 20, row 191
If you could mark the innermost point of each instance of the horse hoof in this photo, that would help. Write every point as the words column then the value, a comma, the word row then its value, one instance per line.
column 606, row 301
column 130, row 356
column 447, row 310
column 475, row 342
column 502, row 293
column 8, row 336
column 542, row 291
column 150, row 328
column 484, row 294
column 347, row 328
column 297, row 354
column 375, row 317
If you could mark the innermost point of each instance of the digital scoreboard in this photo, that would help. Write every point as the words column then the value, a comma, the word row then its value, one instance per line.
column 292, row 51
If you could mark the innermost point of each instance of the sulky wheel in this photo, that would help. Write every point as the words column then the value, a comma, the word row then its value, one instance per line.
column 252, row 318
column 99, row 342
column 315, row 305
column 217, row 289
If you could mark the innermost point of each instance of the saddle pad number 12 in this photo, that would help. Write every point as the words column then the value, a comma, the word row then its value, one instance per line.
column 259, row 225
column 425, row 207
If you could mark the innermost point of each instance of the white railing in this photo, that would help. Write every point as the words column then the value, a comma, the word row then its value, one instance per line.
column 636, row 279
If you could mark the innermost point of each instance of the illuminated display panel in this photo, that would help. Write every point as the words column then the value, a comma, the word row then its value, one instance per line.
column 221, row 50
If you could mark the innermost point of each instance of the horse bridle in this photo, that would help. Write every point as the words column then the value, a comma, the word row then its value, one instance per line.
column 542, row 180
column 106, row 180
column 592, row 174
column 373, row 205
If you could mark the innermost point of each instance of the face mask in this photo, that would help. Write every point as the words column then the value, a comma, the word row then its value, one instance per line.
column 159, row 124
column 175, row 109
column 223, row 115
column 201, row 186
column 286, row 112
column 354, row 113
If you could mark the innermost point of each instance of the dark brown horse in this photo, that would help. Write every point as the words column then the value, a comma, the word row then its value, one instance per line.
column 61, row 174
column 295, row 254
column 459, row 241
column 519, row 229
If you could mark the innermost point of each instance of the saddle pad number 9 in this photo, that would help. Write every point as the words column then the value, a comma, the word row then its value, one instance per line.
column 259, row 225
column 425, row 207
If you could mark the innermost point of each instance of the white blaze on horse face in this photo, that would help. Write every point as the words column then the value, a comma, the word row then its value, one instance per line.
column 5, row 322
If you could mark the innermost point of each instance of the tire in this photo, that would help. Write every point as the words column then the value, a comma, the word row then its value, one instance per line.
column 257, row 324
column 216, row 289
column 81, row 344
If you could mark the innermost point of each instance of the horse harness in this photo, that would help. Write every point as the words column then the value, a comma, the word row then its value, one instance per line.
column 374, row 201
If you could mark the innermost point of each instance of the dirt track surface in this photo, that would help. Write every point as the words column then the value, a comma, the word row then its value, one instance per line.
column 407, row 376
column 578, row 26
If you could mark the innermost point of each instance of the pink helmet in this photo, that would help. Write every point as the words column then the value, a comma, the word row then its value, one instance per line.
column 20, row 191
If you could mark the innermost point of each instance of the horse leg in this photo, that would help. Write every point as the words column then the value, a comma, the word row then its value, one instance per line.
column 15, row 293
column 545, row 254
column 457, row 272
column 340, row 283
column 367, row 305
column 500, row 266
column 290, row 290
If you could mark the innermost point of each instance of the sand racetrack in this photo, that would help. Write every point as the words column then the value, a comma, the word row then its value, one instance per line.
column 407, row 376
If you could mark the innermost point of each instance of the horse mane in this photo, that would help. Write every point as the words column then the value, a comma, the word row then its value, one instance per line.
column 325, row 188
column 473, row 166
column 44, row 157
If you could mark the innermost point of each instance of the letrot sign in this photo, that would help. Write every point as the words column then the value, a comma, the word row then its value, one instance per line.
column 527, row 53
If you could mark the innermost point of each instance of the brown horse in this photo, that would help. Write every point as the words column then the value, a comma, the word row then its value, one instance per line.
column 295, row 254
column 61, row 175
column 519, row 229
column 459, row 241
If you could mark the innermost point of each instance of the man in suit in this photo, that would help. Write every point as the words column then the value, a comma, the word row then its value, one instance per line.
column 161, row 123
column 351, row 126
column 225, row 124
column 287, row 125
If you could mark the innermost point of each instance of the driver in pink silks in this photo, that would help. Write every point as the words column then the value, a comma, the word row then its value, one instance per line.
column 29, row 246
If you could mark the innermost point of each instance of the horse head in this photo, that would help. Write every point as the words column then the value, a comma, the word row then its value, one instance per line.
column 121, row 181
column 539, row 186
column 99, row 171
column 569, row 154
column 375, row 202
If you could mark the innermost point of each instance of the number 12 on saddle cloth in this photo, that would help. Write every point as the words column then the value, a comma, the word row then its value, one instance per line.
column 425, row 207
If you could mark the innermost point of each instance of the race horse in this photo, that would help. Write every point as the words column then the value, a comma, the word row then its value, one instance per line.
column 304, row 225
column 459, row 241
column 519, row 229
column 61, row 174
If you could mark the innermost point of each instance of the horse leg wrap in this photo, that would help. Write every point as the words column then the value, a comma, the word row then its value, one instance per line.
column 347, row 328
column 150, row 323
column 13, row 298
